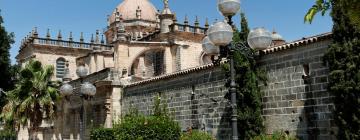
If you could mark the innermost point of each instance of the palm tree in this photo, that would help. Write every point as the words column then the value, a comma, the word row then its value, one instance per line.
column 33, row 99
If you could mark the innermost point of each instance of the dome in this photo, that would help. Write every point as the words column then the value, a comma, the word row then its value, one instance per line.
column 127, row 10
column 276, row 36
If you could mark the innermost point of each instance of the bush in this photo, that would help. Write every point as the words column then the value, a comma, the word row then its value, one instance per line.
column 7, row 135
column 275, row 136
column 196, row 135
column 159, row 126
column 137, row 127
column 102, row 134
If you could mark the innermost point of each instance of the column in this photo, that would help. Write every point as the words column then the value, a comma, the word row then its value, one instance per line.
column 168, row 63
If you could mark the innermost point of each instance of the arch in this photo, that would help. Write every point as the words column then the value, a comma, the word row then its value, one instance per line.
column 205, row 58
column 60, row 67
column 142, row 52
column 152, row 62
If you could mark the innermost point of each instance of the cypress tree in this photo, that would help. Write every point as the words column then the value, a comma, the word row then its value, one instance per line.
column 248, row 76
column 244, row 28
column 343, row 59
column 6, row 82
column 6, row 40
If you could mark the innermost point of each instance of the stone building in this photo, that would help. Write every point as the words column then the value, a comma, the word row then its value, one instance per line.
column 145, row 52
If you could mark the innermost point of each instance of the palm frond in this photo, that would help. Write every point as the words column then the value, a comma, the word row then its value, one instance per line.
column 34, row 96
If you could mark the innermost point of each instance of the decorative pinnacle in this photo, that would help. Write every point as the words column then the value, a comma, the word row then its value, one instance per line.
column 35, row 32
column 138, row 13
column 186, row 22
column 48, row 33
column 175, row 18
column 92, row 38
column 108, row 20
column 70, row 37
column 59, row 35
column 97, row 38
column 81, row 37
column 197, row 21
column 207, row 23
column 102, row 39
column 166, row 4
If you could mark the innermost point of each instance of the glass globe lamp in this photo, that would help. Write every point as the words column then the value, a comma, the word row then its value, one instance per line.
column 259, row 39
column 81, row 71
column 88, row 89
column 229, row 7
column 209, row 47
column 220, row 34
column 66, row 89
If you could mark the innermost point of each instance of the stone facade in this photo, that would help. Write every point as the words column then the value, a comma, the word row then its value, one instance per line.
column 296, row 98
column 197, row 100
column 155, row 55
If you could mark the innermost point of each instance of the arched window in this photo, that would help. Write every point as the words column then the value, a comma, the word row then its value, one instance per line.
column 60, row 67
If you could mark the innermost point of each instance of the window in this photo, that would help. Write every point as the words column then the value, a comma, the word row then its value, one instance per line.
column 60, row 67
column 158, row 60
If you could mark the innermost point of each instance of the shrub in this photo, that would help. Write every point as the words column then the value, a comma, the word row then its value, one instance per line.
column 196, row 135
column 158, row 126
column 102, row 134
column 7, row 135
column 276, row 136
column 138, row 127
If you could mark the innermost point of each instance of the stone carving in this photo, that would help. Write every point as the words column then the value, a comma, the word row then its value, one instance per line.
column 166, row 3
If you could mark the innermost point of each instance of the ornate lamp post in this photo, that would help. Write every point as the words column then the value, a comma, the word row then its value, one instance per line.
column 87, row 91
column 219, row 40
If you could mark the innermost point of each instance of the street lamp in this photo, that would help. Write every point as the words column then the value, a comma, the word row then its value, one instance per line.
column 87, row 91
column 220, row 34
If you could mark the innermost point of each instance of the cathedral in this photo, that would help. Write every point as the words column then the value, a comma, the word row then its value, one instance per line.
column 144, row 52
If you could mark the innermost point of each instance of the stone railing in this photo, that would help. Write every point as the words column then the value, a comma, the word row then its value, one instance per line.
column 72, row 44
column 187, row 28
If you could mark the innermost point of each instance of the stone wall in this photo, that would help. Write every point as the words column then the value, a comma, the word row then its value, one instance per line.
column 196, row 100
column 296, row 98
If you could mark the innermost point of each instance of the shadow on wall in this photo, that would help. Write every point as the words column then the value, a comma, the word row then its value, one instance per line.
column 308, row 116
column 316, row 118
column 224, row 131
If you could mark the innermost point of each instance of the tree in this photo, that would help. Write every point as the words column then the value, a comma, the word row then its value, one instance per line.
column 343, row 60
column 6, row 39
column 320, row 6
column 33, row 98
column 244, row 28
column 248, row 77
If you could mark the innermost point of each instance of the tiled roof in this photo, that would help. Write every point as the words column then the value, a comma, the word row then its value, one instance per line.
column 298, row 43
column 171, row 75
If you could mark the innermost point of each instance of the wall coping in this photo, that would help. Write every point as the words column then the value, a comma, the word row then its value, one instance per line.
column 298, row 43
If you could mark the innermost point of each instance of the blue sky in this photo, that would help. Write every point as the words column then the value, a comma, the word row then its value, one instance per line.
column 21, row 16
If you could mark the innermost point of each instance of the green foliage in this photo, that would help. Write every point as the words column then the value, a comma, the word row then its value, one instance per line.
column 248, row 78
column 6, row 39
column 33, row 98
column 343, row 59
column 7, row 135
column 138, row 127
column 102, row 134
column 158, row 126
column 319, row 6
column 196, row 135
column 244, row 28
column 275, row 136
